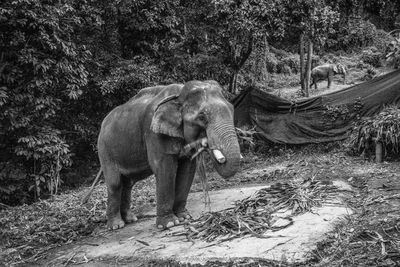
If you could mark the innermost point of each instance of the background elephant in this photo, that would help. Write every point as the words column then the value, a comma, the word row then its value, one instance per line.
column 146, row 135
column 327, row 71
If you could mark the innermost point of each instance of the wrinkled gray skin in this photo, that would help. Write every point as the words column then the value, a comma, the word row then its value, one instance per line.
column 145, row 136
column 327, row 71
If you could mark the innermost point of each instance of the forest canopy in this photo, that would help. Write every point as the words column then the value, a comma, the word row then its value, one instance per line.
column 64, row 64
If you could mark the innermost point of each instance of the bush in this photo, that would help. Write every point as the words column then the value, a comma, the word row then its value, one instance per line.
column 393, row 55
column 383, row 128
column 374, row 59
column 271, row 63
column 42, row 73
column 126, row 78
column 184, row 67
column 355, row 34
column 292, row 61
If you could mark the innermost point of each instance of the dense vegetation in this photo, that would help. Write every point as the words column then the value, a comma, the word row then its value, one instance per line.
column 64, row 64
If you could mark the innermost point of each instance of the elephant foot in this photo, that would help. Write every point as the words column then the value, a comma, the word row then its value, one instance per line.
column 167, row 221
column 129, row 217
column 183, row 216
column 115, row 223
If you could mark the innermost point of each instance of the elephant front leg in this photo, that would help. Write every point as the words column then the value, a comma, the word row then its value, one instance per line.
column 329, row 81
column 165, row 171
column 184, row 180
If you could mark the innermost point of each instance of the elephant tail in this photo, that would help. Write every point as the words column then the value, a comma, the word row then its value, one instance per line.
column 87, row 195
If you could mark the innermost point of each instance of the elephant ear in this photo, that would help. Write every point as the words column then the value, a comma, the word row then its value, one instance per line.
column 167, row 118
column 335, row 69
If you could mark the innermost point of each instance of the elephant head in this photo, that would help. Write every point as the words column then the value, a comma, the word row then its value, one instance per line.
column 339, row 69
column 199, row 110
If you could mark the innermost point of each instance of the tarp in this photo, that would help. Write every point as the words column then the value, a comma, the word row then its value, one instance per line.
column 317, row 119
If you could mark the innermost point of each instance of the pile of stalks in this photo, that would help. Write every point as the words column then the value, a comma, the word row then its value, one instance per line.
column 254, row 215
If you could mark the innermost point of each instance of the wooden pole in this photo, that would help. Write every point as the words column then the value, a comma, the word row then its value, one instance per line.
column 378, row 152
column 302, row 72
column 308, row 69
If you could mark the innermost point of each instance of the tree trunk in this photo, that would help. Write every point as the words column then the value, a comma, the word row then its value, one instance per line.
column 308, row 68
column 235, row 75
column 302, row 72
column 233, row 83
column 264, row 76
column 231, row 79
column 237, row 61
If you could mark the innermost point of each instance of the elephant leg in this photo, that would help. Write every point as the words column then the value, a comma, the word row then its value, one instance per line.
column 315, row 84
column 126, row 213
column 165, row 171
column 184, row 180
column 128, row 181
column 114, row 189
column 329, row 81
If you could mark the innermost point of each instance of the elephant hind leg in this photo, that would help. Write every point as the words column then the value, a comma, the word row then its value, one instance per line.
column 125, row 208
column 114, row 190
column 128, row 181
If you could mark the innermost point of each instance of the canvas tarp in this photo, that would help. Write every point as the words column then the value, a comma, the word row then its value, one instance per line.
column 317, row 119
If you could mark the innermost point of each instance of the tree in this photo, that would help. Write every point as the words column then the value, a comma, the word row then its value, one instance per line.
column 229, row 29
column 42, row 70
column 314, row 20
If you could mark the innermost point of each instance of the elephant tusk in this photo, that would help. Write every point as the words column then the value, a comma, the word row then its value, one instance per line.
column 218, row 156
column 241, row 156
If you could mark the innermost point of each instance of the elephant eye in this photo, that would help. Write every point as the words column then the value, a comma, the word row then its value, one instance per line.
column 202, row 117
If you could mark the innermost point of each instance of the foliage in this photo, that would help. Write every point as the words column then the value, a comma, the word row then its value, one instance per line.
column 313, row 18
column 383, row 128
column 246, row 138
column 356, row 33
column 127, row 78
column 233, row 29
column 374, row 59
column 343, row 112
column 45, row 155
column 42, row 71
column 393, row 54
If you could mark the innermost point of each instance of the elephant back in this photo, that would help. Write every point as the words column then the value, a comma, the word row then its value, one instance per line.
column 159, row 91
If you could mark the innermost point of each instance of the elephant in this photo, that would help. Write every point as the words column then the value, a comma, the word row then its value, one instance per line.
column 327, row 71
column 148, row 134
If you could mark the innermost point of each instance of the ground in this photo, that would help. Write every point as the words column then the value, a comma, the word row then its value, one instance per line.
column 370, row 236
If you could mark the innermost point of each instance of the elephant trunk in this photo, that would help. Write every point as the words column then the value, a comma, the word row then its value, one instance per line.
column 223, row 142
